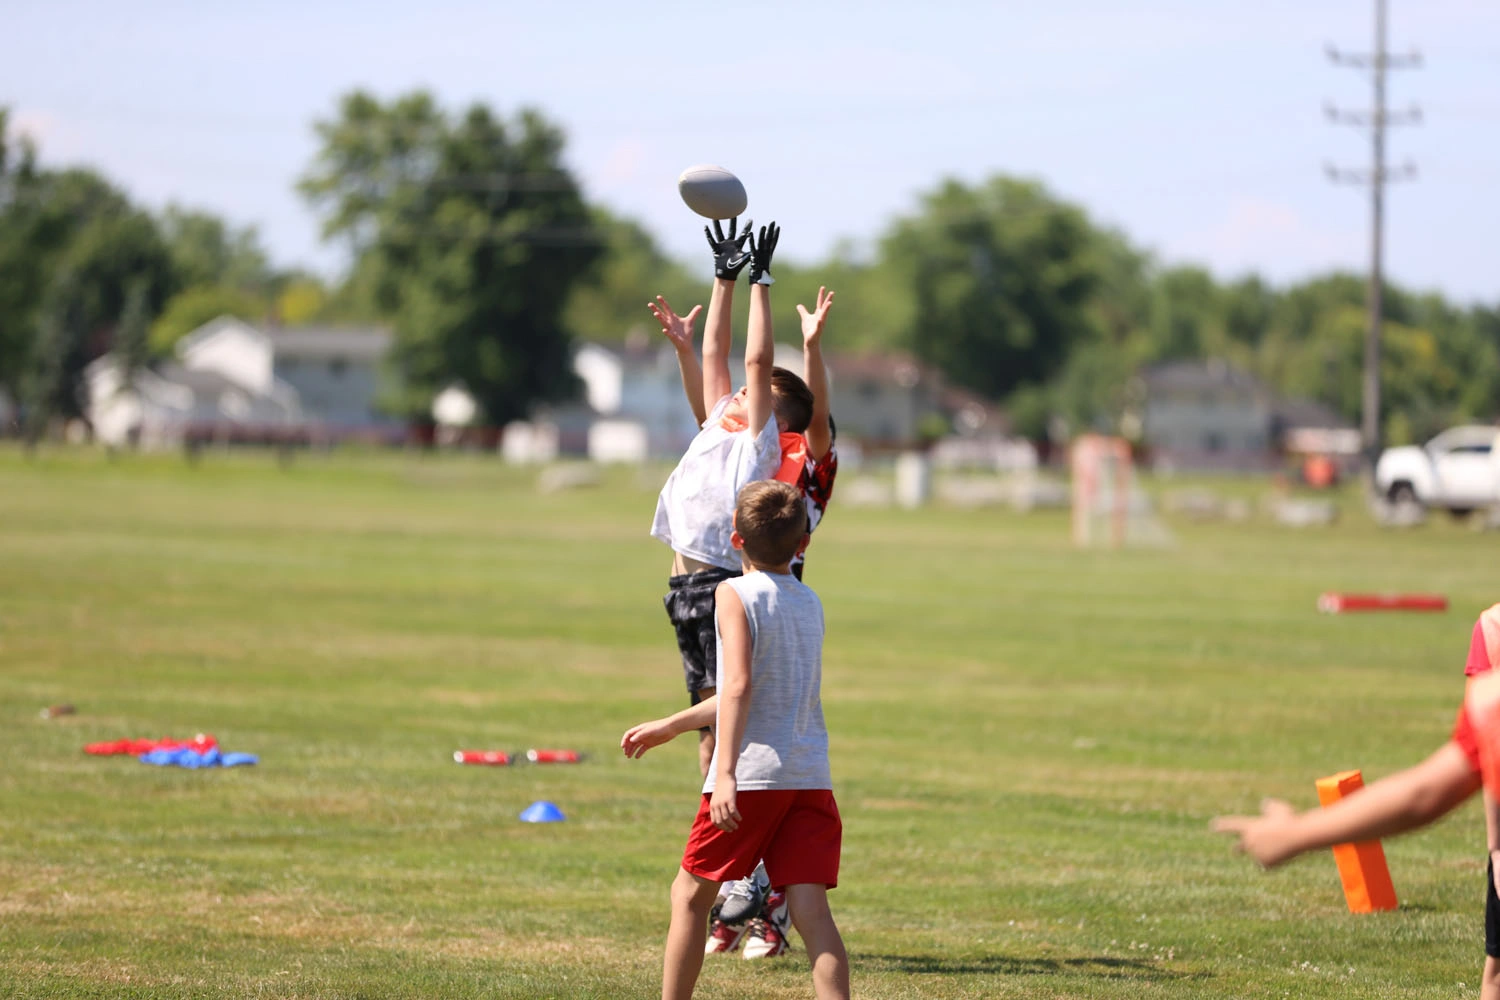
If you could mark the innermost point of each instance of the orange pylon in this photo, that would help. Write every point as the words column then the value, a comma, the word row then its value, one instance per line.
column 1362, row 867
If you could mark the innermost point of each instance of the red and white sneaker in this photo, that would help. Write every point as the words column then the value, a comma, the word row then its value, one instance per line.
column 723, row 937
column 766, row 936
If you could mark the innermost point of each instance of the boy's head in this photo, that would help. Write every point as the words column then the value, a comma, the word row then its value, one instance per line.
column 770, row 522
column 791, row 401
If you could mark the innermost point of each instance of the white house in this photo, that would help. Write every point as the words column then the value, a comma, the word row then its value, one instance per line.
column 236, row 381
column 163, row 408
column 334, row 372
column 1208, row 414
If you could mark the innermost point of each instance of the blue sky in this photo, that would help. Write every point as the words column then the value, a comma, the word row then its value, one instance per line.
column 1197, row 128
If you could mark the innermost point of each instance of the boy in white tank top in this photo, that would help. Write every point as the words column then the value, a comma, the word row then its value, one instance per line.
column 769, row 793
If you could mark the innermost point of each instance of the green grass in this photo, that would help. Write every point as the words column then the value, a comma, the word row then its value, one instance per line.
column 1028, row 742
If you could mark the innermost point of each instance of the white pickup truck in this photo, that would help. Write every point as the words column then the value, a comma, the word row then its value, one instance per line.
column 1459, row 470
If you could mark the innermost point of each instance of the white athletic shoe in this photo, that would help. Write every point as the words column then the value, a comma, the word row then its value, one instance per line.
column 767, row 936
column 745, row 898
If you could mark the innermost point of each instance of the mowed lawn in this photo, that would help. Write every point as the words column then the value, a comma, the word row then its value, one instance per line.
column 1028, row 742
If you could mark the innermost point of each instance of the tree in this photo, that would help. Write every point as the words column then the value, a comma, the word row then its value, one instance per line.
column 208, row 251
column 474, row 235
column 609, row 301
column 192, row 307
column 18, row 264
column 1001, row 277
column 114, row 267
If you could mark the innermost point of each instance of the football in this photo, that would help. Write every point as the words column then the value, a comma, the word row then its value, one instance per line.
column 712, row 192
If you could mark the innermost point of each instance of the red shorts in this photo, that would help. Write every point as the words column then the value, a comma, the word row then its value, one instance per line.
column 796, row 831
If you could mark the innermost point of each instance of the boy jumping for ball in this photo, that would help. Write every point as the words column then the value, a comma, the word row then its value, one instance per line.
column 747, row 909
column 768, row 793
column 739, row 443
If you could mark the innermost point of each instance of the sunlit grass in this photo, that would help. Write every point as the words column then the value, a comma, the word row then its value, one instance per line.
column 1028, row 742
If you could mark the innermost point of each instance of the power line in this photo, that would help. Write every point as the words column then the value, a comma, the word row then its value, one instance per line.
column 1374, row 121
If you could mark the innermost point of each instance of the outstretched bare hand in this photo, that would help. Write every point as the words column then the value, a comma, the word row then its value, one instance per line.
column 1267, row 838
column 812, row 322
column 677, row 329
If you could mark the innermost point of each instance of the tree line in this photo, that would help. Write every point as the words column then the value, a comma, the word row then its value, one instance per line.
column 470, row 238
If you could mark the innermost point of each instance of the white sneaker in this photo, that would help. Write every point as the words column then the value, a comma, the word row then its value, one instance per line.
column 767, row 936
column 745, row 898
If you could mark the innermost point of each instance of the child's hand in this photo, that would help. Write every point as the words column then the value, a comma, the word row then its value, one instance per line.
column 730, row 256
column 760, row 254
column 722, row 807
column 677, row 329
column 1268, row 838
column 638, row 739
column 812, row 322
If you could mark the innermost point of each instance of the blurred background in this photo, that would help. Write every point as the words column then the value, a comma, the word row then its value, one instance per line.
column 313, row 224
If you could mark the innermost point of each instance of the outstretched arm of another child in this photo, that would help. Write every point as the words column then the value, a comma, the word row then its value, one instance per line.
column 640, row 738
column 760, row 347
column 679, row 330
column 734, row 699
column 1395, row 804
column 819, row 431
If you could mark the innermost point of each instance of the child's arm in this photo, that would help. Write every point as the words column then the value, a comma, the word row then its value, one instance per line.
column 638, row 739
column 679, row 330
column 1403, row 801
column 819, row 433
column 760, row 347
column 734, row 699
column 730, row 257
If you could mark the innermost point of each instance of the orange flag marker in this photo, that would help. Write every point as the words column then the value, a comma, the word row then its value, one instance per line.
column 1362, row 867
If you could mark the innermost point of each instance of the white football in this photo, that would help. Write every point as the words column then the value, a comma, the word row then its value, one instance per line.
column 712, row 192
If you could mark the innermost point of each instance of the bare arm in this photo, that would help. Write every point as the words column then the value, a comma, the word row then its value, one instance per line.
column 819, row 431
column 679, row 330
column 734, row 700
column 638, row 739
column 760, row 358
column 1396, row 804
column 716, row 338
column 760, row 346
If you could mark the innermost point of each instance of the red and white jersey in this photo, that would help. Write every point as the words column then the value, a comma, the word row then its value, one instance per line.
column 816, row 485
column 1484, row 644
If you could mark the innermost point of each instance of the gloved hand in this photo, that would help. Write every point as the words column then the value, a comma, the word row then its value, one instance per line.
column 760, row 254
column 730, row 255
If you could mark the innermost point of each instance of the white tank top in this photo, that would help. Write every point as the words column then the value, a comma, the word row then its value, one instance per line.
column 785, row 743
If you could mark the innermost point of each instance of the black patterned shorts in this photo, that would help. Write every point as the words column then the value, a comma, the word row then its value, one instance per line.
column 690, row 607
column 1491, row 913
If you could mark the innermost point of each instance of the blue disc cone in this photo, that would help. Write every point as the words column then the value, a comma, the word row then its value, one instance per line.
column 542, row 812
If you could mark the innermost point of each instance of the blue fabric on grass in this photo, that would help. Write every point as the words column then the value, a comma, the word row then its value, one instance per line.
column 194, row 759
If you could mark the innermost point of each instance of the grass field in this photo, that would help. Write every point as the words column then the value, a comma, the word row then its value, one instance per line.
column 1028, row 742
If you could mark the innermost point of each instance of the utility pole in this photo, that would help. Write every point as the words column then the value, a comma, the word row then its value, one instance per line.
column 1377, row 177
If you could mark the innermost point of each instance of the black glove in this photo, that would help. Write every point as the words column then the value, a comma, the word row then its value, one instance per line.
column 760, row 254
column 730, row 255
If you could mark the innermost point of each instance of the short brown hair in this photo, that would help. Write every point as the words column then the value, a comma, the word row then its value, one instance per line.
column 771, row 518
column 791, row 400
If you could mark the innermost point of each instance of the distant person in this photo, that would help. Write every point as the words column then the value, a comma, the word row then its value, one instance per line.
column 768, row 793
column 1407, row 800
